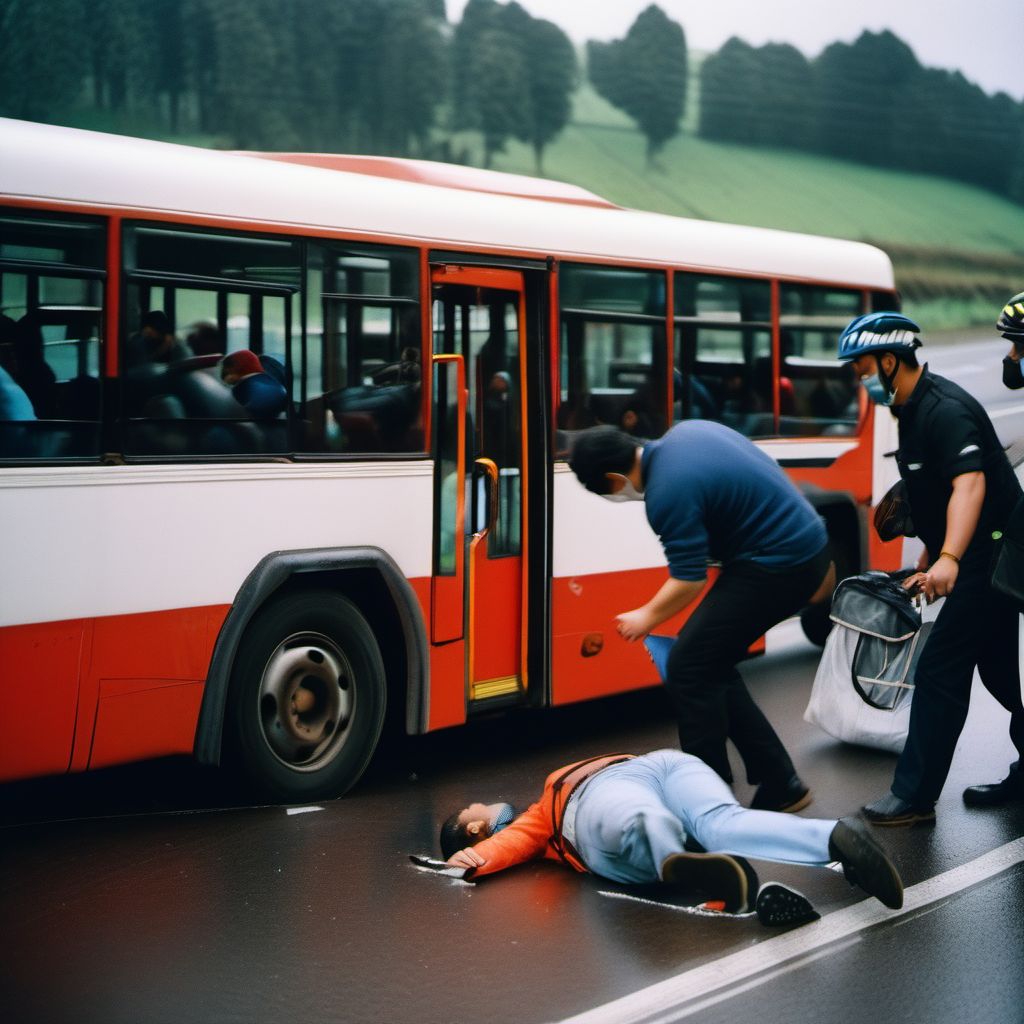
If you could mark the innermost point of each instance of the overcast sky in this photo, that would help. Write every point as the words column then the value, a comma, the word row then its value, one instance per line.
column 982, row 38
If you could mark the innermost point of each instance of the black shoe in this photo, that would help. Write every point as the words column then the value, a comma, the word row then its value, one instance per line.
column 891, row 810
column 996, row 794
column 713, row 877
column 786, row 797
column 778, row 906
column 864, row 862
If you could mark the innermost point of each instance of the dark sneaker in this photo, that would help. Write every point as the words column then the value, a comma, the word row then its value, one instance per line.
column 778, row 906
column 865, row 863
column 996, row 794
column 891, row 810
column 786, row 797
column 712, row 878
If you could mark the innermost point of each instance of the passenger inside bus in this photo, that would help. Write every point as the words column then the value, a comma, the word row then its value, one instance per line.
column 15, row 405
column 155, row 342
column 642, row 415
column 405, row 371
column 34, row 374
column 204, row 339
column 701, row 404
column 495, row 421
column 262, row 394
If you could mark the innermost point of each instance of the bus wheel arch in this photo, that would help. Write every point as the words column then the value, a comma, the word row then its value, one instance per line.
column 372, row 592
column 307, row 697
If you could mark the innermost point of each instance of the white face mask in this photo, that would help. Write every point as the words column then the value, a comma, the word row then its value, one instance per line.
column 877, row 391
column 627, row 493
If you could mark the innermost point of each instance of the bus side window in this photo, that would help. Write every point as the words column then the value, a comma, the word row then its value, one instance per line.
column 209, row 319
column 51, row 305
column 723, row 352
column 612, row 360
column 363, row 366
column 824, row 393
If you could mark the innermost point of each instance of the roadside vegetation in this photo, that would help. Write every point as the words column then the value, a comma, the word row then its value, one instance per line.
column 859, row 142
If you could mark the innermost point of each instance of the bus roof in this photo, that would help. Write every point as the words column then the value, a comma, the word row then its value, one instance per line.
column 68, row 165
column 430, row 172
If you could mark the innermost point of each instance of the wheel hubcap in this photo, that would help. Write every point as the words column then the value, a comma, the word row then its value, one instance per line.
column 306, row 701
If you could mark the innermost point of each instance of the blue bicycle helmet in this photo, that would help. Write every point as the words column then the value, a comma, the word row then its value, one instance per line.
column 878, row 332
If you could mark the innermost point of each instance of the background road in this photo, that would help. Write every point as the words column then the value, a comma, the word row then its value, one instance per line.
column 152, row 893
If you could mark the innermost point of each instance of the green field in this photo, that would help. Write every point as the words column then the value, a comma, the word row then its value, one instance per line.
column 958, row 250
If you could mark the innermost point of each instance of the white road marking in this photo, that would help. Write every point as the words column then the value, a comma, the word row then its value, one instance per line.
column 694, row 990
column 694, row 911
column 303, row 810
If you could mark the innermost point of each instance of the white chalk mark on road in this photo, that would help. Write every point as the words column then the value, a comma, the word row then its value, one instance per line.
column 677, row 998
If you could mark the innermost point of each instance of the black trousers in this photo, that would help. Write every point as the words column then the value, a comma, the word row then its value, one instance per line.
column 710, row 698
column 976, row 628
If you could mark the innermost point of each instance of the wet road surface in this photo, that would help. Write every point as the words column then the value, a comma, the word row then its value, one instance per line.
column 154, row 893
column 168, row 910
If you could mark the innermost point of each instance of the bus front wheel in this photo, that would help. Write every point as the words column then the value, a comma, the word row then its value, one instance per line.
column 307, row 698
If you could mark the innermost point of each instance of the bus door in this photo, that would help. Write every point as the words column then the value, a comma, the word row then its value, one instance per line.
column 479, row 314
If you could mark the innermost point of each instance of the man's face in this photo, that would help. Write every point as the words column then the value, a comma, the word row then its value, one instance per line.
column 157, row 342
column 867, row 365
column 478, row 818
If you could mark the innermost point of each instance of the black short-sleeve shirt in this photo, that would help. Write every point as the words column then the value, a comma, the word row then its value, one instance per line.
column 944, row 432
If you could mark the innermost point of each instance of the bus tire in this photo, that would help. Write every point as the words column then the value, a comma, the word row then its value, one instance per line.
column 307, row 698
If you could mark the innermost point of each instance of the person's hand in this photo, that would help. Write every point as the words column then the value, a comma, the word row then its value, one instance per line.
column 940, row 579
column 1014, row 354
column 915, row 583
column 467, row 858
column 634, row 625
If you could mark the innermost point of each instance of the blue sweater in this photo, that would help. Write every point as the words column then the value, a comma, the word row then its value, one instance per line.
column 712, row 495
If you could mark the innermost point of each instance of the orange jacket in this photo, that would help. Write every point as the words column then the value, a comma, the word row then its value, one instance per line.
column 537, row 832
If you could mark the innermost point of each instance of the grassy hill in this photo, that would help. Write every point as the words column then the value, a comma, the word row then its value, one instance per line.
column 958, row 250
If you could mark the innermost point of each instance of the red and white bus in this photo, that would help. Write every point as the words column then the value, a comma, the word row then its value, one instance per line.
column 184, row 575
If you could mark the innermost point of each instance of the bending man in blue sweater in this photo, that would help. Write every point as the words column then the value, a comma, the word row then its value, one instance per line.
column 712, row 495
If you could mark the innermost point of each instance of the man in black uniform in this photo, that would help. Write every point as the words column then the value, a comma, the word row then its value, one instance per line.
column 961, row 489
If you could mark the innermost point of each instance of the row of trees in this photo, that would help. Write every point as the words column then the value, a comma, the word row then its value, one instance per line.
column 870, row 101
column 393, row 77
column 371, row 76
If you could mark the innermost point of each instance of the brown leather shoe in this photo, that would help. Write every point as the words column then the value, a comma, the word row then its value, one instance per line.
column 787, row 798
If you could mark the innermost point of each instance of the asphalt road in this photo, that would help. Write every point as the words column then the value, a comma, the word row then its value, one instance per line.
column 154, row 893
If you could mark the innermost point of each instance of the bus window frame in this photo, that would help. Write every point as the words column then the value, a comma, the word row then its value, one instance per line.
column 129, row 273
column 561, row 312
column 33, row 269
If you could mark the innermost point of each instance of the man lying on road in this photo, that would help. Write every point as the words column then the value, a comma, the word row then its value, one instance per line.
column 636, row 820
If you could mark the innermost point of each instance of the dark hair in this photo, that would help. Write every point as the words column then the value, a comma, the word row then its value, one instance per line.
column 600, row 450
column 454, row 836
column 158, row 320
column 909, row 359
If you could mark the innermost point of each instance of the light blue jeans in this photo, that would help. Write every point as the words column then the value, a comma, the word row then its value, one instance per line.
column 633, row 815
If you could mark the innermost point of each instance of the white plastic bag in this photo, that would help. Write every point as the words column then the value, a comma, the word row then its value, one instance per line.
column 838, row 708
column 864, row 685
